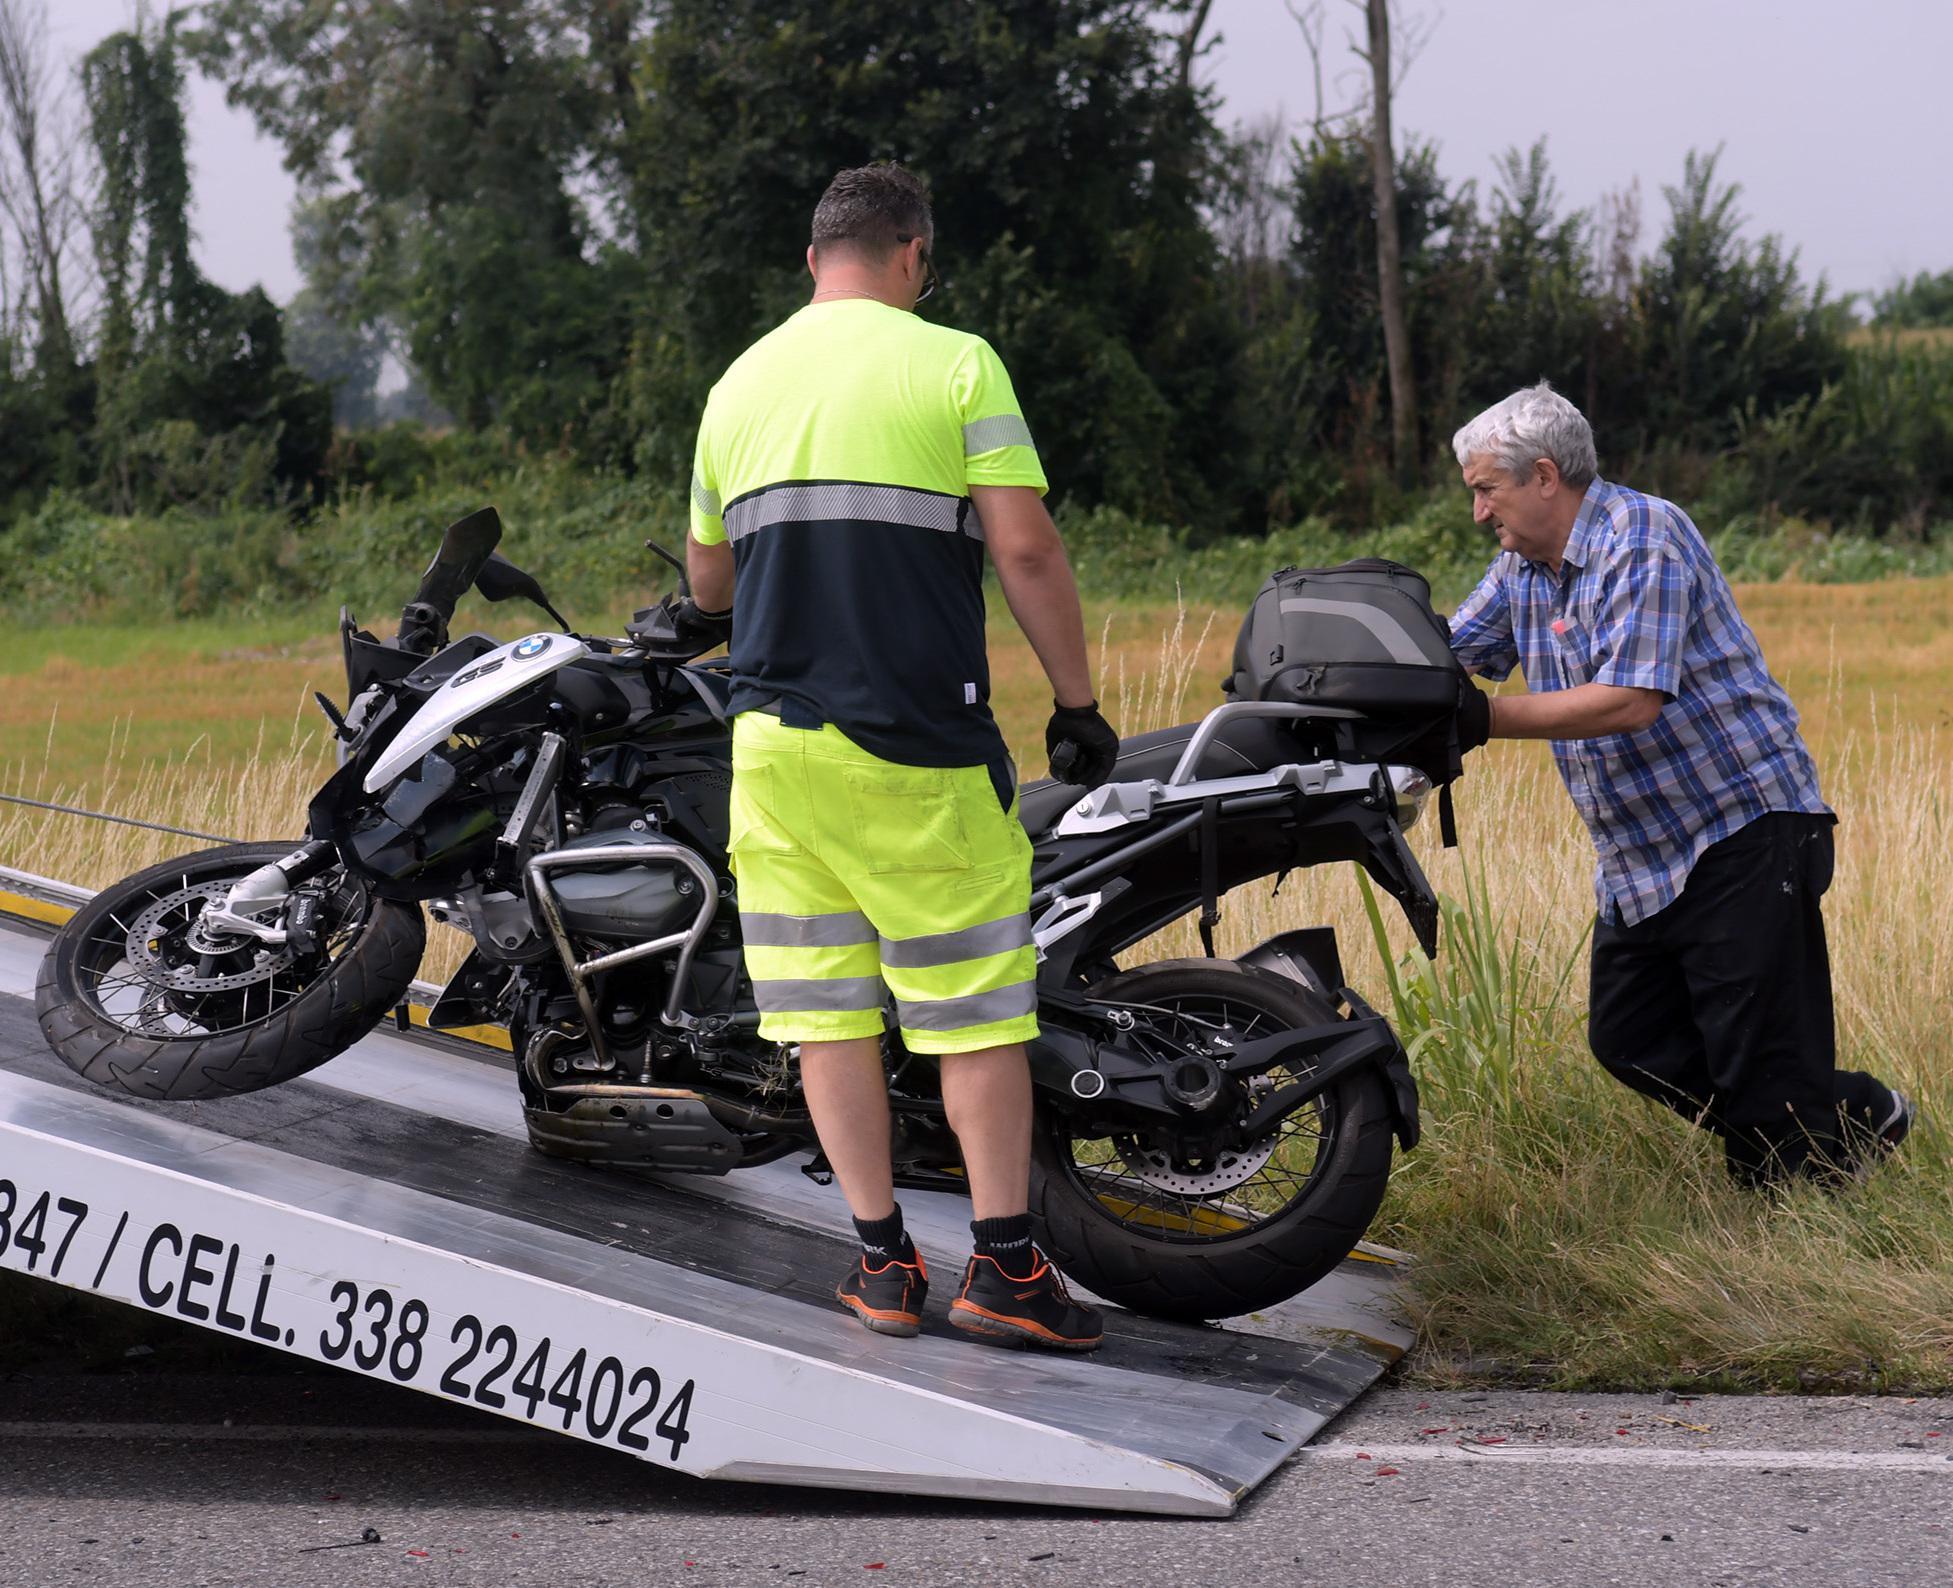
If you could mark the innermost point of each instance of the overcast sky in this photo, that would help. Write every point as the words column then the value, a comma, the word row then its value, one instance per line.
column 1834, row 117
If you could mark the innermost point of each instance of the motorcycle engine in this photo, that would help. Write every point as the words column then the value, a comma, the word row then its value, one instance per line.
column 623, row 902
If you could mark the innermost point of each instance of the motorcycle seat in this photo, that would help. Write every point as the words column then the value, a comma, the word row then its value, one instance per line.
column 1245, row 745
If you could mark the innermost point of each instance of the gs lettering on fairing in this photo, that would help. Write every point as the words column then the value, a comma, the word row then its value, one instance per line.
column 1211, row 1135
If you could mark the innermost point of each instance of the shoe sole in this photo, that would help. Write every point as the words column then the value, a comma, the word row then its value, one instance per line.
column 903, row 1325
column 972, row 1319
column 1892, row 1134
column 1886, row 1140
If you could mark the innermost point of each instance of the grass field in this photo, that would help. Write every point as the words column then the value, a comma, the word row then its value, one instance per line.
column 1933, row 336
column 1568, row 1233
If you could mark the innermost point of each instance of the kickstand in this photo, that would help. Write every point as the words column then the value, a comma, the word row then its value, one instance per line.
column 818, row 1170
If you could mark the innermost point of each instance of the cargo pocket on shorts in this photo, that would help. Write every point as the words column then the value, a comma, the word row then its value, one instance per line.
column 907, row 819
column 753, row 825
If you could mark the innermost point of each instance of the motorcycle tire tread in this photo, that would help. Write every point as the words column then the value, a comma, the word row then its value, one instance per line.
column 325, row 1019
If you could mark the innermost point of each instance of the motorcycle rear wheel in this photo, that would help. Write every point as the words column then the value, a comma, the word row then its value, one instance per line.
column 129, row 1001
column 1141, row 1224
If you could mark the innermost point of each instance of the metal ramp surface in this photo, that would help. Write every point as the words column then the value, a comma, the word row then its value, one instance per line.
column 385, row 1214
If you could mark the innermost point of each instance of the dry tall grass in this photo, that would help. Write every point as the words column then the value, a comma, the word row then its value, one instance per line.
column 1567, row 1230
column 1570, row 1232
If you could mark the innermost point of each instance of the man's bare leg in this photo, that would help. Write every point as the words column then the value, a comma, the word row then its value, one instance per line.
column 987, row 1095
column 848, row 1096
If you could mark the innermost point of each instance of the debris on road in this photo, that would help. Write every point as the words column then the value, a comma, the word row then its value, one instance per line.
column 370, row 1535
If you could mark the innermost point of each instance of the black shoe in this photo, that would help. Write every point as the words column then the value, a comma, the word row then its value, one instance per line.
column 1035, row 1310
column 1866, row 1140
column 1898, row 1123
column 1886, row 1136
column 887, row 1299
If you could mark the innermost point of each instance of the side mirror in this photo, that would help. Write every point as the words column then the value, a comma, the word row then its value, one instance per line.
column 500, row 580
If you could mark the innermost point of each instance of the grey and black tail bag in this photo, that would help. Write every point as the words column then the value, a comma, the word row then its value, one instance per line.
column 1361, row 637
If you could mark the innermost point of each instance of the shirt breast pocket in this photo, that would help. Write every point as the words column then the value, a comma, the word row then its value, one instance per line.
column 1575, row 638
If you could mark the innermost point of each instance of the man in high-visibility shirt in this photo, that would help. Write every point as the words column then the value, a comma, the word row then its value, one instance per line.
column 853, row 466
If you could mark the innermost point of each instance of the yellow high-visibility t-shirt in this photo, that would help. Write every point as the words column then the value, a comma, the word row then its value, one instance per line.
column 836, row 455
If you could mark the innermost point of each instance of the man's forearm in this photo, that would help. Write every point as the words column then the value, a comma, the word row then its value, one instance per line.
column 1587, row 711
column 710, row 568
column 1044, row 599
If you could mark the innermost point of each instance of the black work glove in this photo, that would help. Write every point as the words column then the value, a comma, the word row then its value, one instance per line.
column 1474, row 715
column 693, row 622
column 1081, row 744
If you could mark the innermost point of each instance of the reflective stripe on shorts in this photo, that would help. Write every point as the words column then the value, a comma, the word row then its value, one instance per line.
column 762, row 929
column 974, row 1009
column 833, row 995
column 966, row 942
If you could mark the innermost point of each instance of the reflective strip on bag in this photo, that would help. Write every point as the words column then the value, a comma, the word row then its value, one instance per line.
column 973, row 1009
column 1387, row 631
column 763, row 929
column 999, row 430
column 875, row 504
column 837, row 995
column 707, row 502
column 952, row 948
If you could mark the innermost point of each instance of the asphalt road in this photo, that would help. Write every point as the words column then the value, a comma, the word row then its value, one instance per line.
column 166, row 1480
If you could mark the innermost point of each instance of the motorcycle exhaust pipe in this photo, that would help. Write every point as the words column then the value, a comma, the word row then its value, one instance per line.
column 739, row 1116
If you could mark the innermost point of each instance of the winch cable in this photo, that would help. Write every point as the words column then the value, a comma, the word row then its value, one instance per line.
column 124, row 821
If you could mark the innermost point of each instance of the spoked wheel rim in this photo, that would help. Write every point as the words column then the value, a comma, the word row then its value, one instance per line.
column 153, row 967
column 1143, row 1184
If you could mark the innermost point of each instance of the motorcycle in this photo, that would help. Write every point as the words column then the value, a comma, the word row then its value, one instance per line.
column 1211, row 1136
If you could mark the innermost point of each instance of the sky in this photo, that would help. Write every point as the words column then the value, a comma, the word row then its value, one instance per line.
column 1836, row 119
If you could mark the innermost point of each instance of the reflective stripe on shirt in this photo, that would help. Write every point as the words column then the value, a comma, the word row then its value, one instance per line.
column 827, row 502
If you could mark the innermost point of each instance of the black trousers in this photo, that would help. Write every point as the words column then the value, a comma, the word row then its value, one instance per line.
column 1719, row 1005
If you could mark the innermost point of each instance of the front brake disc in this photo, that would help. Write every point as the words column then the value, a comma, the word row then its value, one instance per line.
column 164, row 957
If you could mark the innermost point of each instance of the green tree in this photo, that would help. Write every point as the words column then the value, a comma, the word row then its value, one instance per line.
column 455, row 137
column 1338, row 454
column 1924, row 301
column 1540, row 315
column 325, row 334
column 197, row 400
column 1069, row 157
column 1723, row 326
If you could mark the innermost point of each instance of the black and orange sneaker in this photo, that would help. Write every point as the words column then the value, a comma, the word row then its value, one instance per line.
column 887, row 1298
column 1034, row 1310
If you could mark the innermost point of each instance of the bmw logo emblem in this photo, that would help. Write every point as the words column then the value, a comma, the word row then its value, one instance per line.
column 534, row 645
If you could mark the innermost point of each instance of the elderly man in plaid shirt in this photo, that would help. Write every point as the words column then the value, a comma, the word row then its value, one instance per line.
column 1711, row 985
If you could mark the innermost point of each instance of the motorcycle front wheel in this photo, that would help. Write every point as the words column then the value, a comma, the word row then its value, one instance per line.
column 1155, row 1226
column 138, row 994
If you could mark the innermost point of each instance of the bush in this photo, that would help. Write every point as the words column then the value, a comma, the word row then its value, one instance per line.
column 582, row 534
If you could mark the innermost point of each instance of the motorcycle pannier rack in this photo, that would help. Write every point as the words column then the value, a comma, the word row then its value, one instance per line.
column 1361, row 638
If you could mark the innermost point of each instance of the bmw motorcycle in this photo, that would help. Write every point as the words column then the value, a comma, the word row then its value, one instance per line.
column 1211, row 1135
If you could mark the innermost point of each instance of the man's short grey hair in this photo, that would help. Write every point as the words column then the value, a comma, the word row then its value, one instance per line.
column 1531, row 424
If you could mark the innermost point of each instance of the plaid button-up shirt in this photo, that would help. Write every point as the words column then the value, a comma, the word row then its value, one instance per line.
column 1639, row 602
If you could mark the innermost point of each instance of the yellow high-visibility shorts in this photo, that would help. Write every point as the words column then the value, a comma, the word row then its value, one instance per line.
column 859, row 878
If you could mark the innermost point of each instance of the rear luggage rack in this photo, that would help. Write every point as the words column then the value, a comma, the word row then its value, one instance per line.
column 1115, row 805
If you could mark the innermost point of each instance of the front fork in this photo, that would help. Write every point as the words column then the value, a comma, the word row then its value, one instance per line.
column 255, row 906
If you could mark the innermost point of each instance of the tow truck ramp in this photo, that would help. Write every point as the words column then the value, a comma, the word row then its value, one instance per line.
column 386, row 1215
